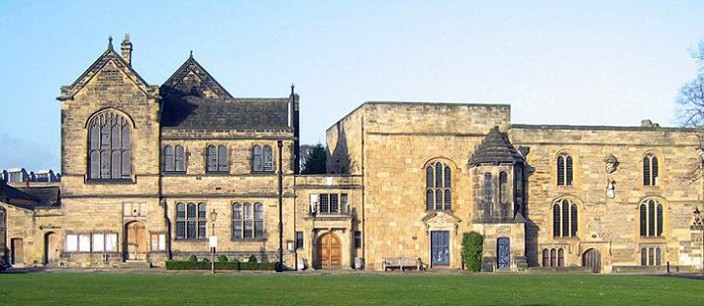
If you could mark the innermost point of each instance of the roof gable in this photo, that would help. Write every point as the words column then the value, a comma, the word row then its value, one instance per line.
column 192, row 78
column 110, row 59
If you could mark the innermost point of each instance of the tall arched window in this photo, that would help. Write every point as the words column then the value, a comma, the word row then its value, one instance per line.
column 564, row 170
column 565, row 222
column 237, row 221
column 257, row 161
column 503, row 187
column 438, row 186
column 651, row 218
column 650, row 170
column 180, row 158
column 217, row 158
column 488, row 199
column 109, row 147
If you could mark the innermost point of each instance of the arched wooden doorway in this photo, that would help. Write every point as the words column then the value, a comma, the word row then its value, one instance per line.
column 136, row 241
column 592, row 259
column 51, row 248
column 329, row 252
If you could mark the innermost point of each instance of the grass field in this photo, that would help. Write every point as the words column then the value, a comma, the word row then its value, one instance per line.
column 345, row 289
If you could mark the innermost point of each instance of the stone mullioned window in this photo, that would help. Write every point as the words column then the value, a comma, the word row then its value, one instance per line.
column 247, row 221
column 109, row 147
column 651, row 218
column 174, row 158
column 438, row 186
column 565, row 219
column 190, row 221
column 262, row 159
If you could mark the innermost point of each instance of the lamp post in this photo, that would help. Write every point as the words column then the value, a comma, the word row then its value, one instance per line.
column 213, row 240
column 698, row 225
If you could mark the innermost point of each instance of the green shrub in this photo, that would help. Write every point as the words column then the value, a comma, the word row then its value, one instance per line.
column 472, row 247
column 205, row 259
column 252, row 259
column 222, row 258
column 230, row 265
column 192, row 258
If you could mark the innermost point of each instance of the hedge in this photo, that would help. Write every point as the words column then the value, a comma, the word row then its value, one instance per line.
column 472, row 247
column 231, row 265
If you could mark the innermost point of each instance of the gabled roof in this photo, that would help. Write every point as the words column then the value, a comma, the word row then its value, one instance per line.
column 193, row 99
column 192, row 77
column 496, row 149
column 109, row 56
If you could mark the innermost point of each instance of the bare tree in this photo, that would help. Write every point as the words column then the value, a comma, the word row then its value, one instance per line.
column 690, row 112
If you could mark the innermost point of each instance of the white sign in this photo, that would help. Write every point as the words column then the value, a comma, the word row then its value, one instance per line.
column 213, row 241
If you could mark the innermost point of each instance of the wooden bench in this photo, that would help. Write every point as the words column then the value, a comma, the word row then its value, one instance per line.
column 401, row 263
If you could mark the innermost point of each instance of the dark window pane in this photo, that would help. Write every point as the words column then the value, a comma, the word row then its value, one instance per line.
column 116, row 173
column 168, row 158
column 258, row 211
column 201, row 229
column 643, row 257
column 429, row 199
column 448, row 178
column 222, row 158
column 448, row 199
column 257, row 161
column 651, row 218
column 201, row 211
column 248, row 230
column 247, row 211
column 334, row 206
column 237, row 211
column 180, row 211
column 180, row 230
column 655, row 170
column 268, row 159
column 191, row 230
column 556, row 220
column 573, row 220
column 299, row 240
column 180, row 159
column 646, row 171
column 126, row 164
column 357, row 239
column 105, row 164
column 643, row 221
column 258, row 229
column 553, row 257
column 212, row 158
column 560, row 258
column 429, row 177
column 126, row 138
column 651, row 257
column 560, row 170
column 324, row 205
column 95, row 165
column 657, row 257
column 438, row 175
column 503, row 188
column 191, row 211
column 237, row 230
column 568, row 171
column 546, row 258
column 565, row 220
column 488, row 196
column 659, row 221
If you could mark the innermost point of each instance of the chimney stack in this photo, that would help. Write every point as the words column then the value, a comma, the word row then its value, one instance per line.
column 126, row 47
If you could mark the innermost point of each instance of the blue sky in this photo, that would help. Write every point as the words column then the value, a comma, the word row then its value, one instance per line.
column 555, row 62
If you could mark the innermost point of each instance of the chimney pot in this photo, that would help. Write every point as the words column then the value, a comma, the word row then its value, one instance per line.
column 126, row 47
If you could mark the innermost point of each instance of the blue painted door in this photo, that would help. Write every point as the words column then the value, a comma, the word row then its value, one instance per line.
column 440, row 248
column 503, row 252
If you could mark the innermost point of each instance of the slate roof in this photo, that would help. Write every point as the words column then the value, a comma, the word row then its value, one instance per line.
column 42, row 196
column 193, row 99
column 46, row 196
column 496, row 149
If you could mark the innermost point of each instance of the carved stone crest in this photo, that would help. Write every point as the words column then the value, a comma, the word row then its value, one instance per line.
column 611, row 163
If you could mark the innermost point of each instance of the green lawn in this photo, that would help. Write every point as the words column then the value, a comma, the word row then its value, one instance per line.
column 345, row 289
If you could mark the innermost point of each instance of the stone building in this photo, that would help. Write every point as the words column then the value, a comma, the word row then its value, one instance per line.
column 151, row 172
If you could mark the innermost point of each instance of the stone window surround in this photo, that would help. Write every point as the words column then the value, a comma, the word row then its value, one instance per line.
column 174, row 158
column 572, row 228
column 222, row 167
column 242, row 220
column 128, row 124
column 185, row 221
column 564, row 164
column 651, row 156
column 445, row 186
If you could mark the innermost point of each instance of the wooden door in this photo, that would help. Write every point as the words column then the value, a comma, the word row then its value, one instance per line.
column 51, row 248
column 592, row 259
column 329, row 252
column 136, row 241
column 17, row 251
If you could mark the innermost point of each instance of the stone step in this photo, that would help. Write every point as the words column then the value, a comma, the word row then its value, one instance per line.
column 133, row 265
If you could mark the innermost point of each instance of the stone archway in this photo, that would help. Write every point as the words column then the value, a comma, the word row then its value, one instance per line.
column 135, row 241
column 329, row 252
column 51, row 248
column 592, row 259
